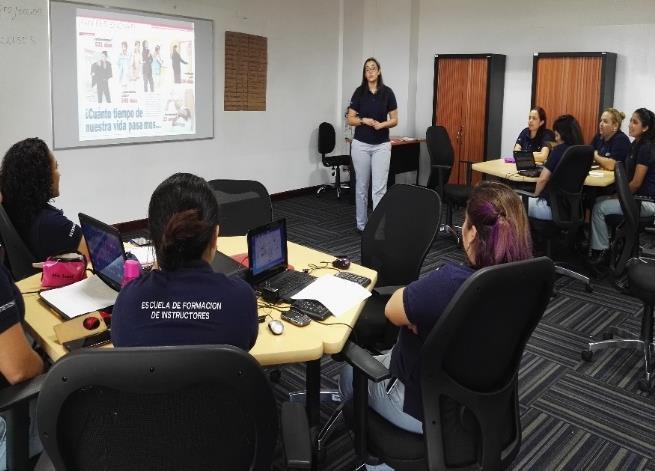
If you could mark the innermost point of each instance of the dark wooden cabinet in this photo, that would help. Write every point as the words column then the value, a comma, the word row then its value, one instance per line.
column 468, row 102
column 580, row 84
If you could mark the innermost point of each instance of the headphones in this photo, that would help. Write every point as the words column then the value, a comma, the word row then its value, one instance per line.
column 342, row 262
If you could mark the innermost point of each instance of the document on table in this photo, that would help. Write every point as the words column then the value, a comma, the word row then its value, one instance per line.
column 79, row 298
column 336, row 294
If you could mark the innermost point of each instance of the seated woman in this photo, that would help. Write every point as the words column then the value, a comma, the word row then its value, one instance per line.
column 18, row 362
column 29, row 179
column 495, row 231
column 640, row 169
column 184, row 302
column 610, row 145
column 536, row 137
column 567, row 133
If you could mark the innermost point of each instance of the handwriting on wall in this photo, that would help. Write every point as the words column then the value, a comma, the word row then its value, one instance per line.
column 13, row 18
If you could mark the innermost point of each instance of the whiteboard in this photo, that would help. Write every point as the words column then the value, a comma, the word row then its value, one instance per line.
column 25, row 72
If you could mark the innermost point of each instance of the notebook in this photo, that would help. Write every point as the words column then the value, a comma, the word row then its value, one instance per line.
column 269, row 262
column 100, row 290
column 525, row 164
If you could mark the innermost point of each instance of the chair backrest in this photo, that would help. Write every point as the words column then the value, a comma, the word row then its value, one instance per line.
column 399, row 233
column 565, row 186
column 626, row 240
column 16, row 252
column 441, row 153
column 243, row 205
column 164, row 408
column 326, row 138
column 470, row 362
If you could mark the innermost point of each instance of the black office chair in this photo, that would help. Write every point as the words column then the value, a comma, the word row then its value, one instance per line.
column 326, row 143
column 626, row 226
column 469, row 376
column 565, row 189
column 243, row 205
column 14, row 406
column 641, row 285
column 17, row 255
column 441, row 164
column 165, row 408
column 394, row 243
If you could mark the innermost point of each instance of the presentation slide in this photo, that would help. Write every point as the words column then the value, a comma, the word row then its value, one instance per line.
column 136, row 76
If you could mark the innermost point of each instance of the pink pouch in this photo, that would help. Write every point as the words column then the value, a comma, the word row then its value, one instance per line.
column 62, row 270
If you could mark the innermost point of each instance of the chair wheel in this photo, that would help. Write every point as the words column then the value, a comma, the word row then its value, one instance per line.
column 644, row 385
column 587, row 355
column 608, row 335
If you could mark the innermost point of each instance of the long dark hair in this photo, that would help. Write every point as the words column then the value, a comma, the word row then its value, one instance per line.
column 569, row 129
column 26, row 182
column 364, row 85
column 647, row 118
column 182, row 216
column 503, row 230
column 542, row 117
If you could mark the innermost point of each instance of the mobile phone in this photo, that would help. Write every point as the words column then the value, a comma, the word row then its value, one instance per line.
column 94, row 340
column 141, row 241
column 296, row 318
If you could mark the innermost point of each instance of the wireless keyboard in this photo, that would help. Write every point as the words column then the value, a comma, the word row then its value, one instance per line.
column 312, row 308
column 359, row 279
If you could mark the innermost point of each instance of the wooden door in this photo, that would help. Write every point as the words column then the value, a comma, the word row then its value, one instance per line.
column 570, row 85
column 474, row 118
column 460, row 107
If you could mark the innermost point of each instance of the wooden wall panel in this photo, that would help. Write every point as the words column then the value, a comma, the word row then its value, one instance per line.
column 451, row 87
column 246, row 64
column 473, row 118
column 570, row 85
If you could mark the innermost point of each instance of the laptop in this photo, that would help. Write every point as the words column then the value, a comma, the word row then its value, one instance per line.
column 269, row 262
column 107, row 259
column 525, row 164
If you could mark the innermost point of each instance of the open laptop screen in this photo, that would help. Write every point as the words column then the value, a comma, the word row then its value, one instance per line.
column 105, row 250
column 267, row 250
column 524, row 160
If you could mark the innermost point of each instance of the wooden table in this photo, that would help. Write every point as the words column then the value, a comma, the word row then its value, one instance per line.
column 404, row 158
column 507, row 171
column 297, row 344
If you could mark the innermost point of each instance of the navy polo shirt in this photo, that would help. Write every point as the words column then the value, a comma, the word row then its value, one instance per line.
column 12, row 307
column 540, row 140
column 189, row 306
column 642, row 153
column 616, row 147
column 52, row 233
column 551, row 163
column 424, row 301
column 373, row 105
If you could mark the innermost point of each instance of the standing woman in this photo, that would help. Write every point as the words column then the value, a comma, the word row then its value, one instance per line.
column 536, row 136
column 373, row 110
column 610, row 145
column 640, row 170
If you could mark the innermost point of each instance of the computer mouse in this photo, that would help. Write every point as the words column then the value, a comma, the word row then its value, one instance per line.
column 277, row 327
column 91, row 323
column 342, row 262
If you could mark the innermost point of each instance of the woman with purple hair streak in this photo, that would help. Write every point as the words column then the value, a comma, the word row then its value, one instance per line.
column 495, row 231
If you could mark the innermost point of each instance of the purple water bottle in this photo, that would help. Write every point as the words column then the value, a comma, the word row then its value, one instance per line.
column 131, row 270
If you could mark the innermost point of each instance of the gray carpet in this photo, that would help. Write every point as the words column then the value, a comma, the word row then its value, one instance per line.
column 575, row 415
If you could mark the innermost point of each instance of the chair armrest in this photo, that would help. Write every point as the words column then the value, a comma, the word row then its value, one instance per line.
column 525, row 193
column 296, row 436
column 386, row 290
column 363, row 361
column 13, row 395
column 441, row 166
column 644, row 198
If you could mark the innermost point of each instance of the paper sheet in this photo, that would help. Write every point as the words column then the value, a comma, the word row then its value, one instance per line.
column 87, row 295
column 145, row 255
column 334, row 293
column 596, row 173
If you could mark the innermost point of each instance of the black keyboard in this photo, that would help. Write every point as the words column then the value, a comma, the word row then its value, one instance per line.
column 534, row 172
column 312, row 308
column 289, row 283
column 359, row 279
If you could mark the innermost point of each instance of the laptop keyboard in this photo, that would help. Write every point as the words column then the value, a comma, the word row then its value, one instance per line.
column 535, row 172
column 289, row 283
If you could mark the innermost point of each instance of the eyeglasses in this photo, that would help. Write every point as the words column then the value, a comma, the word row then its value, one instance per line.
column 371, row 69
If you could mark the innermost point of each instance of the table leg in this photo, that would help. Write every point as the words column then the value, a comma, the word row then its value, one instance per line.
column 313, row 385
